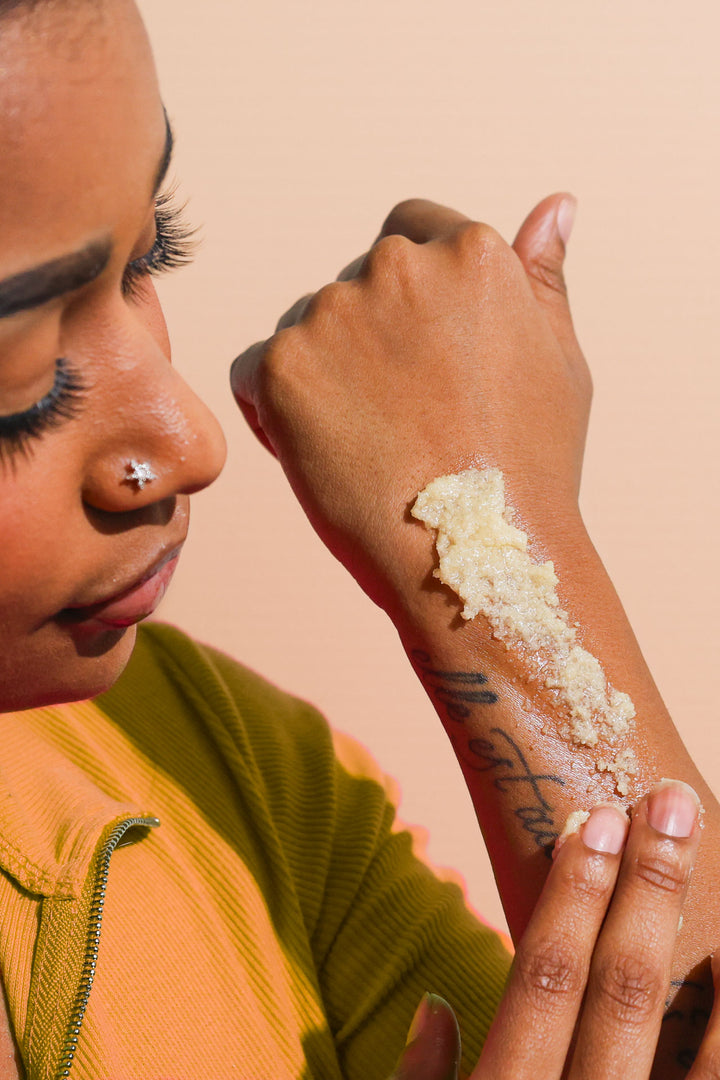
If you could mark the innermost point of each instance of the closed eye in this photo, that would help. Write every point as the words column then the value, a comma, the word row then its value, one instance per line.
column 62, row 402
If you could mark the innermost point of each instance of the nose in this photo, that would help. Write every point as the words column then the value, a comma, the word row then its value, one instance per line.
column 154, row 439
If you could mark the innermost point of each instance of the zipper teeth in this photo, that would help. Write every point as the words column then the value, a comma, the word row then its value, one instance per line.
column 93, row 943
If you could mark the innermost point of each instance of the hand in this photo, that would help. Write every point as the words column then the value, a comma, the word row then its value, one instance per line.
column 588, row 987
column 443, row 347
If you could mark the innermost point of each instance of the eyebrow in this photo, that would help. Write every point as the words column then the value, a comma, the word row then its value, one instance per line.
column 166, row 155
column 36, row 287
column 33, row 288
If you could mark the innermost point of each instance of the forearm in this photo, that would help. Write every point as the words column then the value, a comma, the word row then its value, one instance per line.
column 524, row 777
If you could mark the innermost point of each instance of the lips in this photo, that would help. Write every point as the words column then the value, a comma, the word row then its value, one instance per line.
column 130, row 606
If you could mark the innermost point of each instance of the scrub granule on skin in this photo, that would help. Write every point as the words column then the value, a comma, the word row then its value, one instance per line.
column 483, row 557
column 575, row 821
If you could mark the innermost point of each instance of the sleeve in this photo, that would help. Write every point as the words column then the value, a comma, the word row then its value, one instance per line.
column 402, row 932
column 383, row 928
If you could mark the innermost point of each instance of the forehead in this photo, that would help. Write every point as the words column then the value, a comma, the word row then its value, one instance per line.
column 81, row 126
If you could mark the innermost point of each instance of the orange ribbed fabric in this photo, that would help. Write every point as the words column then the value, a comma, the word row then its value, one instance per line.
column 275, row 923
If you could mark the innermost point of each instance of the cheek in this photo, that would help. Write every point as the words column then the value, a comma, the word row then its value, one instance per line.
column 46, row 549
column 37, row 519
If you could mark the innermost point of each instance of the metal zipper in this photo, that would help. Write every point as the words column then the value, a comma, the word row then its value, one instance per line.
column 93, row 941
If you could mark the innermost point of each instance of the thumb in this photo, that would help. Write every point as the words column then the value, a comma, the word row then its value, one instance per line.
column 433, row 1047
column 540, row 245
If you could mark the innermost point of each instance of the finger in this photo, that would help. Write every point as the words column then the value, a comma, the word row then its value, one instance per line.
column 545, row 990
column 421, row 221
column 707, row 1062
column 244, row 377
column 433, row 1046
column 352, row 269
column 540, row 245
column 295, row 313
column 630, row 974
column 417, row 219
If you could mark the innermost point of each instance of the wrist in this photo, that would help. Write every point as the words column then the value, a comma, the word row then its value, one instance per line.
column 421, row 604
column 407, row 557
column 551, row 635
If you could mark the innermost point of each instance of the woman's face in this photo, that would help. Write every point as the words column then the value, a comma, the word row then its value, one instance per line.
column 86, row 385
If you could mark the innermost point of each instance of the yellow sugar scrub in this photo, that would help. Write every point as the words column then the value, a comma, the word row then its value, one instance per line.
column 484, row 558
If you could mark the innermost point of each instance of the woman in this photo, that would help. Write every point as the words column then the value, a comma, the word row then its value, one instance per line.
column 259, row 913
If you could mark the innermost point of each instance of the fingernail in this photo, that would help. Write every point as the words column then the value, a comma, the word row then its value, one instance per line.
column 420, row 1019
column 429, row 1007
column 673, row 808
column 566, row 217
column 606, row 828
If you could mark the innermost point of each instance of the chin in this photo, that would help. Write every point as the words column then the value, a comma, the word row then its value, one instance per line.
column 72, row 671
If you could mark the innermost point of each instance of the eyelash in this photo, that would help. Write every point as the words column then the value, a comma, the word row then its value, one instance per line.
column 174, row 247
column 59, row 404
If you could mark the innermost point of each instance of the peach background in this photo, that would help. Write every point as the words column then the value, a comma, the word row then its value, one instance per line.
column 299, row 125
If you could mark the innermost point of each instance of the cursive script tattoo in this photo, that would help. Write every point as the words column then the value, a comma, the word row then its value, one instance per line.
column 455, row 691
column 459, row 694
column 512, row 770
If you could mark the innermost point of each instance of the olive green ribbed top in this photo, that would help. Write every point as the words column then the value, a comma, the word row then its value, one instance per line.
column 276, row 924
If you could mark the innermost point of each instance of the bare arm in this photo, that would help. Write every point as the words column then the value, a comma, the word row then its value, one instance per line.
column 449, row 350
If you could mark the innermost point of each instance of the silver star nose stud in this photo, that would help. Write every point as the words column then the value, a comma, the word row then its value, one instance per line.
column 139, row 473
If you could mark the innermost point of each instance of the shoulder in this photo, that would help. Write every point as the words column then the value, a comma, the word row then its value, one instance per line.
column 167, row 658
column 171, row 671
column 320, row 786
column 194, row 689
column 320, row 794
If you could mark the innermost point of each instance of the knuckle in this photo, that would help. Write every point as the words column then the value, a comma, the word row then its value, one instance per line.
column 549, row 973
column 661, row 873
column 328, row 303
column 588, row 885
column 631, row 989
column 479, row 237
column 484, row 254
column 278, row 355
column 549, row 274
column 294, row 314
column 394, row 258
column 400, row 215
